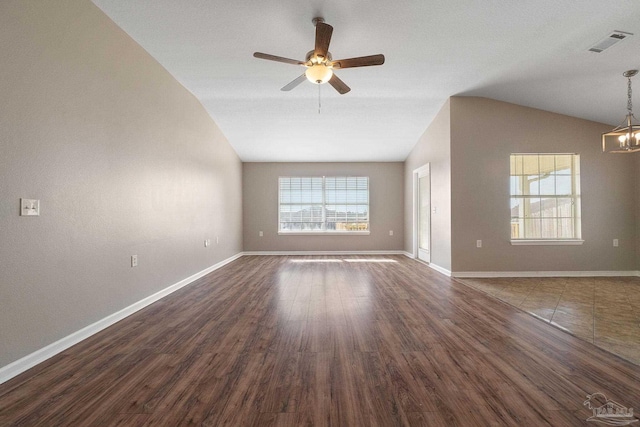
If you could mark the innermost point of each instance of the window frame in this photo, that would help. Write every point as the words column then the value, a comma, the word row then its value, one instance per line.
column 575, row 196
column 324, row 204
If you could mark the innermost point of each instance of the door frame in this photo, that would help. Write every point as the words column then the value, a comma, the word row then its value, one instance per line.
column 416, row 173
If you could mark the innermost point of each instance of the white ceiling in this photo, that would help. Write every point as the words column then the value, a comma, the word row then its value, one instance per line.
column 530, row 53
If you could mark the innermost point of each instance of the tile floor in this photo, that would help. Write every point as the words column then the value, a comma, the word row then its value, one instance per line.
column 601, row 310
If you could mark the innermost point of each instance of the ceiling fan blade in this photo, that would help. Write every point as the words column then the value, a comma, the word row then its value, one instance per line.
column 323, row 38
column 294, row 83
column 276, row 58
column 361, row 61
column 338, row 84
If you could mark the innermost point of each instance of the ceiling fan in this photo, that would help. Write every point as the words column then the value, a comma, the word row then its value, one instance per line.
column 319, row 62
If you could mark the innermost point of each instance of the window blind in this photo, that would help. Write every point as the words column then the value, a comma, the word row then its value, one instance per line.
column 323, row 204
column 545, row 196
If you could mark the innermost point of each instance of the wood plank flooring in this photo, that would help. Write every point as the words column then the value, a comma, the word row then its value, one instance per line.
column 322, row 341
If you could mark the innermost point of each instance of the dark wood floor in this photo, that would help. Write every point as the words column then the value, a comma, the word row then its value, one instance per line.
column 292, row 341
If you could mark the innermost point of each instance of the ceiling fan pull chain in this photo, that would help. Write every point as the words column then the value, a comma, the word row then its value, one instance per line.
column 319, row 103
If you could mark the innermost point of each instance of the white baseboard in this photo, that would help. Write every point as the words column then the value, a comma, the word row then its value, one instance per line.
column 15, row 368
column 436, row 267
column 323, row 253
column 440, row 269
column 488, row 274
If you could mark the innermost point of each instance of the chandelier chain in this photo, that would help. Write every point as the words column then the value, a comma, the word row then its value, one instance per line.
column 629, row 104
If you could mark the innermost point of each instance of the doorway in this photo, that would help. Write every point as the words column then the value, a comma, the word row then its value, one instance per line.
column 422, row 213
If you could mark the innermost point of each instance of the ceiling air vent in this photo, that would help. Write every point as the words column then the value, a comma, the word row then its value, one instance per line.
column 610, row 40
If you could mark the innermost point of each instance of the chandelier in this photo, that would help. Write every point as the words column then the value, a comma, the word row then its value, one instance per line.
column 626, row 137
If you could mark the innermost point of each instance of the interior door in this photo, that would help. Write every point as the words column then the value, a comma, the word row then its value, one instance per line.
column 424, row 215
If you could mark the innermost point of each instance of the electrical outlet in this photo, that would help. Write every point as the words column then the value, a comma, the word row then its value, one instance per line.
column 207, row 242
column 478, row 243
column 134, row 260
column 615, row 243
column 261, row 234
column 390, row 232
column 29, row 207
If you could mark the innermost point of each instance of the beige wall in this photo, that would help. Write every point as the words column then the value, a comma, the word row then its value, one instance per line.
column 434, row 148
column 484, row 133
column 124, row 160
column 260, row 208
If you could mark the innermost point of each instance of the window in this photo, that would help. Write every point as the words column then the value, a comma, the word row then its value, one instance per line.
column 324, row 204
column 545, row 198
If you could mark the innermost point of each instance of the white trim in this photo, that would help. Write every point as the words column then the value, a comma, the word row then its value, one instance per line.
column 435, row 267
column 547, row 242
column 323, row 233
column 253, row 253
column 414, row 232
column 487, row 274
column 440, row 269
column 19, row 366
column 405, row 253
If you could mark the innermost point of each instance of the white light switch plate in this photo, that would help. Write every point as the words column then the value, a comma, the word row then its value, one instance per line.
column 29, row 207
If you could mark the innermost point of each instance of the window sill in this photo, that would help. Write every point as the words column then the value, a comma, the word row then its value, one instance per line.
column 324, row 233
column 547, row 242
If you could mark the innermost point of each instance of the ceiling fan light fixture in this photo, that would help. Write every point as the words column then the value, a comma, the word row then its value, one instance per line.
column 319, row 73
column 626, row 137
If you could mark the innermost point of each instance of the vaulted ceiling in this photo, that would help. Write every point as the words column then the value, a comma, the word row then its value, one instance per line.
column 529, row 53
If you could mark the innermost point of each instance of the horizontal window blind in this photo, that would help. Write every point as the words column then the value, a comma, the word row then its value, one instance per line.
column 545, row 196
column 323, row 204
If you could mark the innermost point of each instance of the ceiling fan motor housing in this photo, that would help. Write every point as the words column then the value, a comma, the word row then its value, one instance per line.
column 311, row 58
